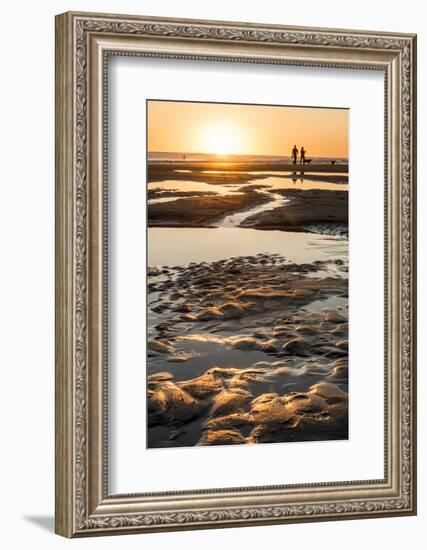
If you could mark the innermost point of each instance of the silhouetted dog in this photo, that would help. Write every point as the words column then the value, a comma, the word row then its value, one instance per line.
column 307, row 161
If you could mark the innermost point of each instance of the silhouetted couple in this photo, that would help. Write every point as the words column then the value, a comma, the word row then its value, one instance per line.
column 295, row 155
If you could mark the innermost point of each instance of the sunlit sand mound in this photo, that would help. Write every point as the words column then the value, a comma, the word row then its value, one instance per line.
column 233, row 414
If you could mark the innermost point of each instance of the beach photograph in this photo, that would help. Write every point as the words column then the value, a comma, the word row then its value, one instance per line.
column 247, row 274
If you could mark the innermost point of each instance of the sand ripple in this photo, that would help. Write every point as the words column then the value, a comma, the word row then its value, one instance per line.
column 241, row 352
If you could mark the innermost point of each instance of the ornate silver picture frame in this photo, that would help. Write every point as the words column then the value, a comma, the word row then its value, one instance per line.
column 84, row 42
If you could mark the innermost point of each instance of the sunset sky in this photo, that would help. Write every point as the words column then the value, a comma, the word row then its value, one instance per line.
column 181, row 127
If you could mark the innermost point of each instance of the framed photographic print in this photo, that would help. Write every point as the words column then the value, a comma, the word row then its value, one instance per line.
column 235, row 274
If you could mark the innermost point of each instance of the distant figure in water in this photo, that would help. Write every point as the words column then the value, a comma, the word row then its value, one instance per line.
column 333, row 162
column 294, row 154
column 183, row 156
column 302, row 161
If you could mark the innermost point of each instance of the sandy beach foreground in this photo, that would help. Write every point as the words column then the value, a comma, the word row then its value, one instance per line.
column 248, row 349
column 283, row 359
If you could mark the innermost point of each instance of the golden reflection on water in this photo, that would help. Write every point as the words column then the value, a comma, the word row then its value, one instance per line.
column 300, row 183
column 273, row 182
column 180, row 185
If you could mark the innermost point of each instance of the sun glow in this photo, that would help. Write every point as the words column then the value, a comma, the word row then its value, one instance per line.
column 222, row 139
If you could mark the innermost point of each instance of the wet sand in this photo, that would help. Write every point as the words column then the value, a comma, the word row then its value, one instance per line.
column 300, row 210
column 204, row 173
column 202, row 211
column 330, row 178
column 247, row 349
column 234, row 174
column 240, row 352
column 153, row 194
column 158, row 167
column 305, row 208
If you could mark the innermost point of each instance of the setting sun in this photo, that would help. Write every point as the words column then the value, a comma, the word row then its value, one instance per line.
column 222, row 139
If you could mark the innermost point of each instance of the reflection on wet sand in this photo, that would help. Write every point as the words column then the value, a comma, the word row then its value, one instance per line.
column 183, row 245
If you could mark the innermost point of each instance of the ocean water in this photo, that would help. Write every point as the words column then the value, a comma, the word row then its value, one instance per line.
column 182, row 245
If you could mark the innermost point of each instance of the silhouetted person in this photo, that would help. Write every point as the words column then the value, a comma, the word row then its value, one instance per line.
column 294, row 154
column 302, row 155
